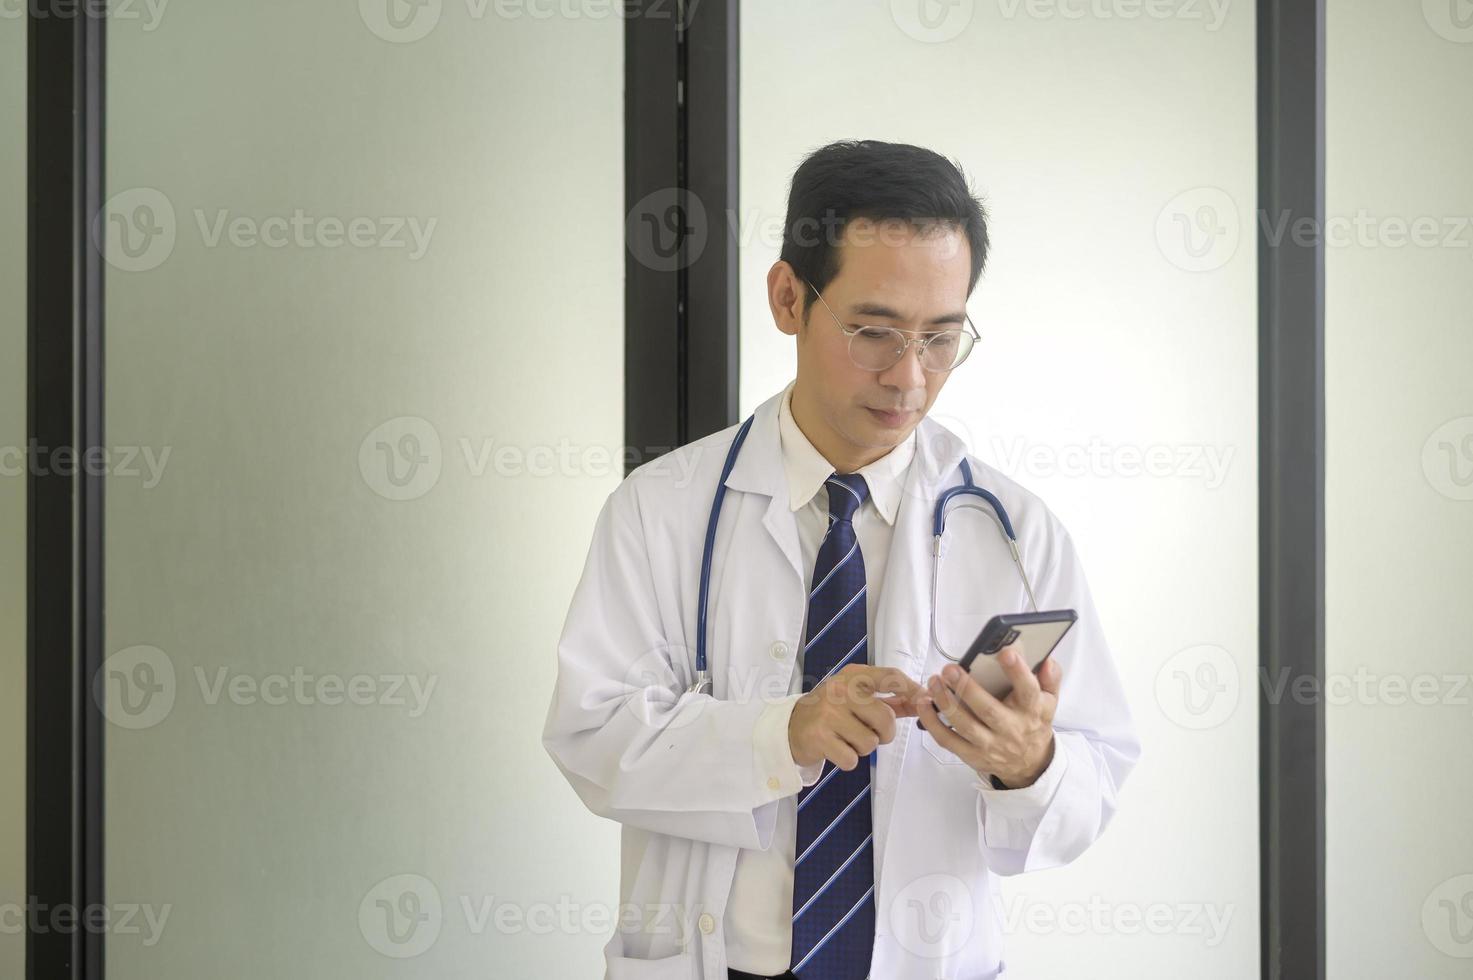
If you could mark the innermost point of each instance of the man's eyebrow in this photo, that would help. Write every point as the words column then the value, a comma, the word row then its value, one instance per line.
column 888, row 313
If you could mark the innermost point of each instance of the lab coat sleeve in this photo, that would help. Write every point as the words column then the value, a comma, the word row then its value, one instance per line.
column 1054, row 820
column 635, row 745
column 775, row 752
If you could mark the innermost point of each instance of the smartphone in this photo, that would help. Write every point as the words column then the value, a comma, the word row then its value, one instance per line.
column 1039, row 632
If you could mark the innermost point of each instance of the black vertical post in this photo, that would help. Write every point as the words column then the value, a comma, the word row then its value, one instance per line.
column 680, row 157
column 1291, row 432
column 712, row 152
column 64, row 494
column 654, row 224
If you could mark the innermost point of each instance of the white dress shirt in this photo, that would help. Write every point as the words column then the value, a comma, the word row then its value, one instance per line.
column 759, row 913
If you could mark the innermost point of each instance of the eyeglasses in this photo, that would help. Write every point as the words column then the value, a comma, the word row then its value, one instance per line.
column 878, row 348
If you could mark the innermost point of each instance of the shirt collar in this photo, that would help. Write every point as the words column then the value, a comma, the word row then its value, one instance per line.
column 807, row 469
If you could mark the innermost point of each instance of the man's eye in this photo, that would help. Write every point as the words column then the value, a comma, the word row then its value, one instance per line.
column 874, row 333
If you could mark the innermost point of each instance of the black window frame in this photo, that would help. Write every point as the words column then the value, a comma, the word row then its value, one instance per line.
column 681, row 382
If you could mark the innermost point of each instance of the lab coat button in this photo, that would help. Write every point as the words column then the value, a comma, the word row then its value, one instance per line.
column 773, row 783
column 707, row 924
column 779, row 650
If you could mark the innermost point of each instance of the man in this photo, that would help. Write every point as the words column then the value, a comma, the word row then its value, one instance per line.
column 811, row 814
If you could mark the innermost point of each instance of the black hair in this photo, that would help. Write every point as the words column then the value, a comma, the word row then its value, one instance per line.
column 881, row 182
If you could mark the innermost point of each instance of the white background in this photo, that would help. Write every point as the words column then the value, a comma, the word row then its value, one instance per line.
column 268, row 545
column 1082, row 136
column 1399, row 507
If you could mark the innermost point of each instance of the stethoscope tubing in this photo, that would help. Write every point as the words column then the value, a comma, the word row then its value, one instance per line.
column 938, row 525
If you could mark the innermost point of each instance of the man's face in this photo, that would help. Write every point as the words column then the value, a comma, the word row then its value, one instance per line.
column 889, row 275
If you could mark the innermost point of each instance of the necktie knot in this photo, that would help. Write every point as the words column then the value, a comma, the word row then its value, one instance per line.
column 846, row 493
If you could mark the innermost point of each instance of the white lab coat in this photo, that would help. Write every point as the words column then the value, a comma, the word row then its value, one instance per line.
column 678, row 770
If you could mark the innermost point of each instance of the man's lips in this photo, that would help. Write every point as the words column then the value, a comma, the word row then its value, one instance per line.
column 890, row 418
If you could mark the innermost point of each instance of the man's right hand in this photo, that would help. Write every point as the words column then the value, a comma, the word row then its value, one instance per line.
column 843, row 720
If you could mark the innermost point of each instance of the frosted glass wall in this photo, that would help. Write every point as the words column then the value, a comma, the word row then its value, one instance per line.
column 1399, row 490
column 1116, row 377
column 365, row 282
column 12, row 490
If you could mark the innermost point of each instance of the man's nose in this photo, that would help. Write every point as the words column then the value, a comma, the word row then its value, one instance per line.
column 906, row 373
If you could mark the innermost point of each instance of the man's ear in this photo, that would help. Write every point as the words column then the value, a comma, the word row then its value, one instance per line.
column 785, row 296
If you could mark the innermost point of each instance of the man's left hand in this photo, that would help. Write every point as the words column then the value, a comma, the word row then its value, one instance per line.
column 1012, row 738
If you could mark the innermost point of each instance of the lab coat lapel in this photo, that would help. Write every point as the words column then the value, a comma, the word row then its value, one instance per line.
column 902, row 623
column 759, row 469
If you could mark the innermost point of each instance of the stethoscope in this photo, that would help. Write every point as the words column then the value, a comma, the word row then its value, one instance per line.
column 702, row 683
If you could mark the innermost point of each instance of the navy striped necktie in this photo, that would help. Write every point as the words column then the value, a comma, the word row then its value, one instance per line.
column 833, row 878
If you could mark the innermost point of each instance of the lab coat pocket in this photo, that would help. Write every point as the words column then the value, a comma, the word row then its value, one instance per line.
column 677, row 967
column 938, row 751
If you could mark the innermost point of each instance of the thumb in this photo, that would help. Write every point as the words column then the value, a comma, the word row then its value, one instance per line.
column 903, row 707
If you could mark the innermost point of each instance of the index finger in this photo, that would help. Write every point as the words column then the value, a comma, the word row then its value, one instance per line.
column 977, row 699
column 887, row 680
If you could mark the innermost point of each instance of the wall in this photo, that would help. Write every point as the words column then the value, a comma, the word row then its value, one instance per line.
column 365, row 286
column 1399, row 491
column 1116, row 377
column 12, row 487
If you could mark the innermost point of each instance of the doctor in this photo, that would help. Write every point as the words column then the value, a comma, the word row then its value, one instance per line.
column 810, row 814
